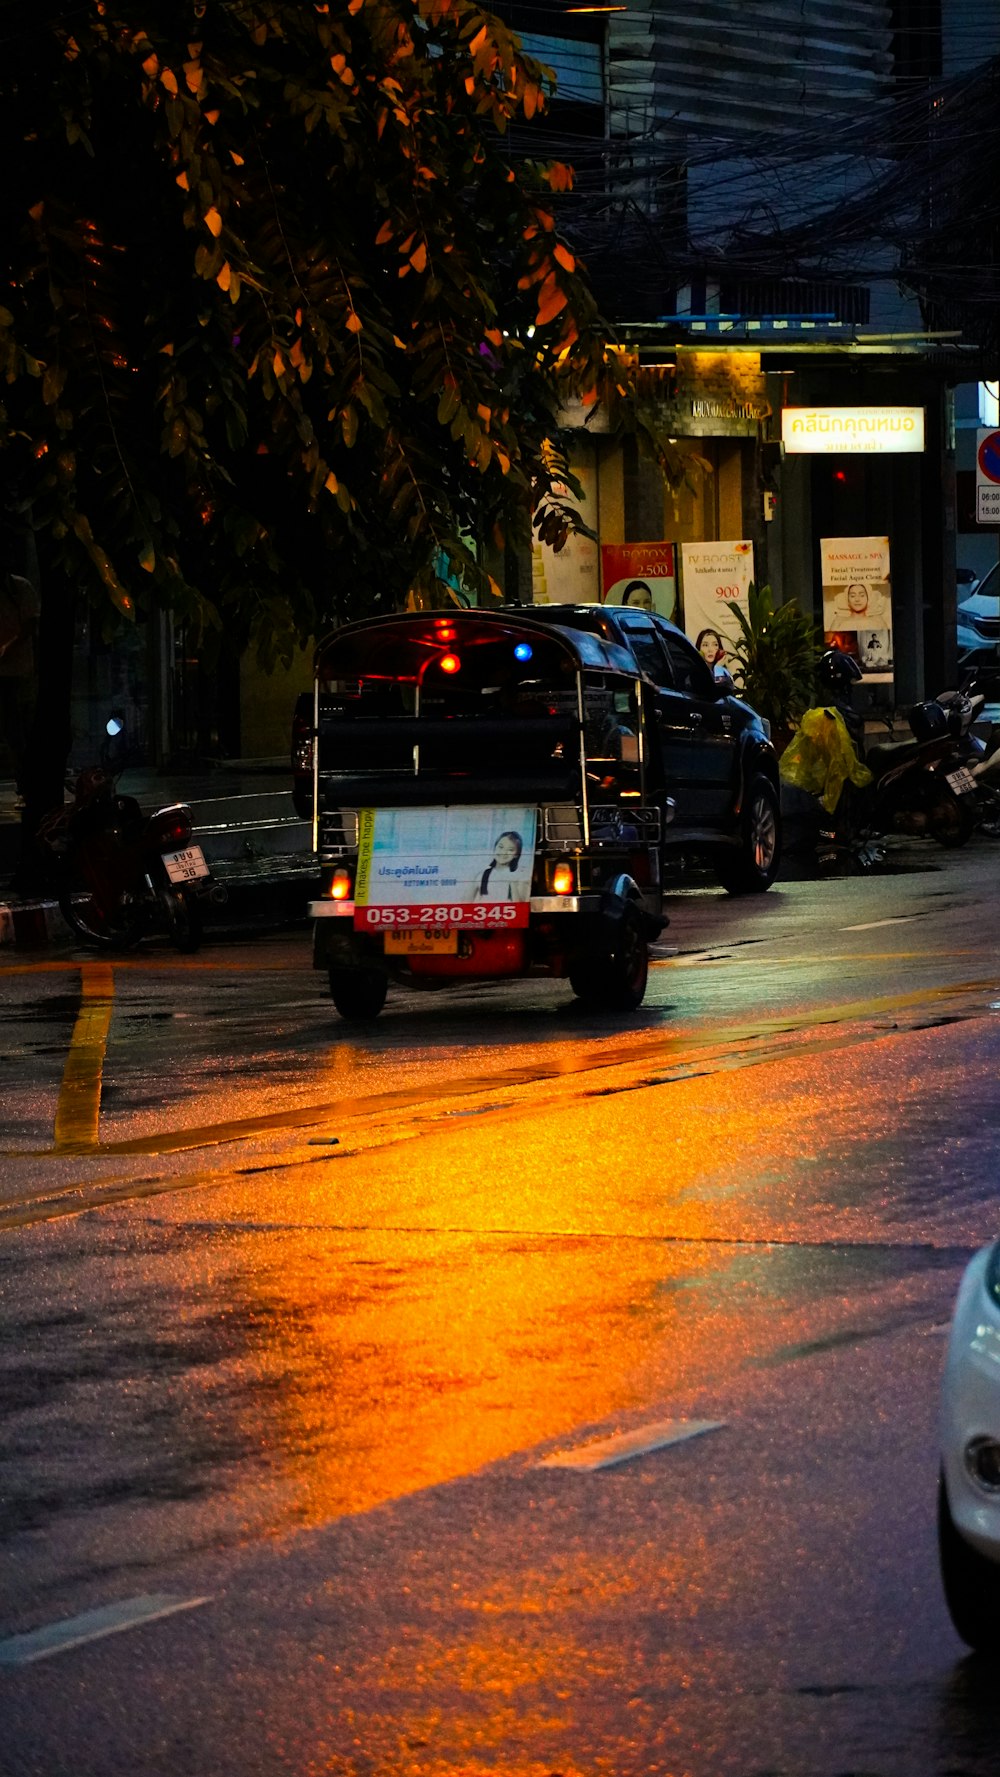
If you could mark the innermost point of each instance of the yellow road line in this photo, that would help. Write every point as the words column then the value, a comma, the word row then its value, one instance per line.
column 672, row 1048
column 79, row 1108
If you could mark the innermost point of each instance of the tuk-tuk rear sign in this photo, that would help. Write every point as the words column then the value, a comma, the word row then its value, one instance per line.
column 444, row 867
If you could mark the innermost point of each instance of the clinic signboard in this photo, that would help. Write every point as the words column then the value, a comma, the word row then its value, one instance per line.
column 852, row 431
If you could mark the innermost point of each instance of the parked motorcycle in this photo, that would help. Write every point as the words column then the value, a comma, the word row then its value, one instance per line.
column 923, row 786
column 122, row 874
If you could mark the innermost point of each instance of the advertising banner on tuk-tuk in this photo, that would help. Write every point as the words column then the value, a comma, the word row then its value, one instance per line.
column 857, row 602
column 714, row 578
column 444, row 867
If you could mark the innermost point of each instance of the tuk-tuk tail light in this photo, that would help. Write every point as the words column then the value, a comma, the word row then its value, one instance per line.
column 563, row 879
column 340, row 886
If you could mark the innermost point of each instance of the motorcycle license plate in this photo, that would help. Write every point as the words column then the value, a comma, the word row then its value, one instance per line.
column 415, row 941
column 187, row 865
column 961, row 781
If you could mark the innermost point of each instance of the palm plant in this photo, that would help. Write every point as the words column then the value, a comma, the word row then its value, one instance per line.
column 774, row 659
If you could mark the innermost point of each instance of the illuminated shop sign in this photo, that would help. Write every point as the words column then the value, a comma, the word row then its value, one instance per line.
column 845, row 431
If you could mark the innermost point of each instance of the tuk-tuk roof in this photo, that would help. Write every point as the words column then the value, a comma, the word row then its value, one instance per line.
column 429, row 629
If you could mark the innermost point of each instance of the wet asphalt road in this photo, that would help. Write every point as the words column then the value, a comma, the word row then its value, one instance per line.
column 294, row 1319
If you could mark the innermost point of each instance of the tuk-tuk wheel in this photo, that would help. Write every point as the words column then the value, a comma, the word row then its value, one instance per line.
column 358, row 994
column 617, row 982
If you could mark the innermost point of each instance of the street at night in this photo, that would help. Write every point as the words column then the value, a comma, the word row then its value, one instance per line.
column 502, row 1387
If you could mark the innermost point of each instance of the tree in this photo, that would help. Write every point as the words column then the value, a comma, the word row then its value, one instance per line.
column 271, row 281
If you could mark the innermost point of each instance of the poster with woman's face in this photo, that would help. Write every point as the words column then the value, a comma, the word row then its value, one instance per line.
column 857, row 602
column 641, row 575
column 444, row 867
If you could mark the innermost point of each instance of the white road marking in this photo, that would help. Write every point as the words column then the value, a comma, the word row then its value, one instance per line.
column 872, row 925
column 632, row 1443
column 93, row 1625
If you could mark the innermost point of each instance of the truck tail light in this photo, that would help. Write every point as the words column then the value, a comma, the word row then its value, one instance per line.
column 563, row 879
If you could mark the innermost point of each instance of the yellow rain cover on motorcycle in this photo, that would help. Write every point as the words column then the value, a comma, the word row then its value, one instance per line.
column 820, row 758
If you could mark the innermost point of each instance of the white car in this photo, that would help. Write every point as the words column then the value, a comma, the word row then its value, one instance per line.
column 969, row 1496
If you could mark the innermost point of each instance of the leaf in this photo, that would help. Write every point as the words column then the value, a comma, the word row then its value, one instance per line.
column 225, row 276
column 449, row 402
column 52, row 384
column 418, row 259
column 564, row 257
column 147, row 559
column 182, row 181
column 558, row 176
column 331, row 483
column 354, row 323
column 384, row 234
column 168, row 80
column 213, row 222
column 553, row 305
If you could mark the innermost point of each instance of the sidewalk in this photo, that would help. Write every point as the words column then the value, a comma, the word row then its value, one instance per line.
column 244, row 822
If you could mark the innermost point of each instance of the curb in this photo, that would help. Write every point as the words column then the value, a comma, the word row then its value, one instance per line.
column 279, row 898
column 31, row 924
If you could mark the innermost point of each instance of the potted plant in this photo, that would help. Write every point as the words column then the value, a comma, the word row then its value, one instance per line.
column 774, row 660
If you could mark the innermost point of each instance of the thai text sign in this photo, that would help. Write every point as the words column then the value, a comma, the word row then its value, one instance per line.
column 444, row 867
column 850, row 431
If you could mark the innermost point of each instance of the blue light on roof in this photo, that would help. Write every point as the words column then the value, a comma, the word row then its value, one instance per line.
column 523, row 651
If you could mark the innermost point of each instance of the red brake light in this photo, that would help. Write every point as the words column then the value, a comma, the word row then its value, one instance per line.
column 450, row 663
column 172, row 827
column 562, row 879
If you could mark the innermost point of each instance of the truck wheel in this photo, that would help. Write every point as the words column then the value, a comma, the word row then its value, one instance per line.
column 752, row 868
column 971, row 1583
column 358, row 994
column 616, row 983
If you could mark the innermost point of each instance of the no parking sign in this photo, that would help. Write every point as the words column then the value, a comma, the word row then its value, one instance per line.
column 988, row 477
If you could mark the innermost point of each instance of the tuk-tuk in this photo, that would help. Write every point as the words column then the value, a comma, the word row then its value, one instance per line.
column 482, row 807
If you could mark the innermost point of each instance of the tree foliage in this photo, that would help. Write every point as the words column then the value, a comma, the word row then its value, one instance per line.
column 270, row 273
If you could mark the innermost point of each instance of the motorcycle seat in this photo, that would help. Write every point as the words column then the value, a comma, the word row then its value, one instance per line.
column 890, row 753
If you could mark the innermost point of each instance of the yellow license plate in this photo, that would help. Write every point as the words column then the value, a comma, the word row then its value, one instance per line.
column 415, row 941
